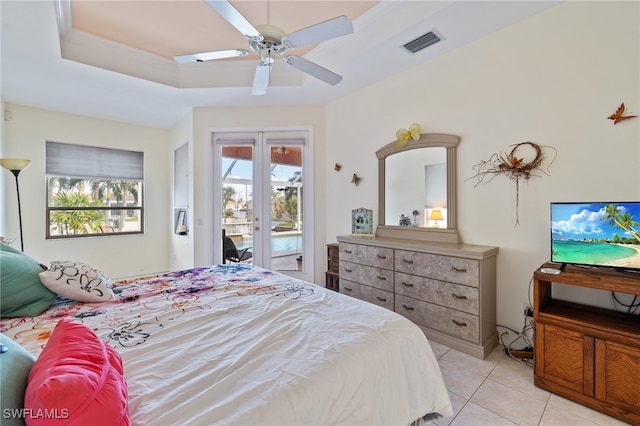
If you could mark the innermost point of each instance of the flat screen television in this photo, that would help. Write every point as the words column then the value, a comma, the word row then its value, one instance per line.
column 596, row 234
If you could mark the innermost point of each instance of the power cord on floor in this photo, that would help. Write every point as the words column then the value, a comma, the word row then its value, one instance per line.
column 525, row 353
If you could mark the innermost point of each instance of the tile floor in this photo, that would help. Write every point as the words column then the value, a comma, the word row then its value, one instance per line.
column 500, row 391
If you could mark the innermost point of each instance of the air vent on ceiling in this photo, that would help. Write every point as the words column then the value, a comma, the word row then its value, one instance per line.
column 422, row 42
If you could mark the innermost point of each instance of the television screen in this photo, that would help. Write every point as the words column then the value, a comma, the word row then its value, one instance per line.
column 596, row 234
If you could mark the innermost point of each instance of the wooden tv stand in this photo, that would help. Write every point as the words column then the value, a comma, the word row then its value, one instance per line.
column 586, row 354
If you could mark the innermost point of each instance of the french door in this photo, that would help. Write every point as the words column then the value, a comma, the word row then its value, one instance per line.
column 259, row 203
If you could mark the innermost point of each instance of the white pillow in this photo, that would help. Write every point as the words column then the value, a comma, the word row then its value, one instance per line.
column 77, row 281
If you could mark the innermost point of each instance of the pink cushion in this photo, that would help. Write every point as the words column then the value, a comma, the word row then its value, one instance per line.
column 77, row 380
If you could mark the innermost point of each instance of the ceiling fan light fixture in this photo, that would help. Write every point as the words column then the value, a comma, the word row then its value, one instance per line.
column 267, row 56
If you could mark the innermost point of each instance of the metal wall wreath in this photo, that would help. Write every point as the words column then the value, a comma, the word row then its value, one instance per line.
column 513, row 167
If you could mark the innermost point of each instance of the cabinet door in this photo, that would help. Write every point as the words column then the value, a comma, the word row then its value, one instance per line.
column 617, row 373
column 567, row 358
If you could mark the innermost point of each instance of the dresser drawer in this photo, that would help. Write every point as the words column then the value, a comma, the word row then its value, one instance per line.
column 445, row 268
column 368, row 294
column 367, row 275
column 456, row 296
column 380, row 257
column 449, row 321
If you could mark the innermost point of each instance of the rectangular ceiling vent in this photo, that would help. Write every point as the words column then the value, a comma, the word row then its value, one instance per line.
column 422, row 42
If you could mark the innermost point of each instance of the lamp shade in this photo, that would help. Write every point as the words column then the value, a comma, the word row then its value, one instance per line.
column 436, row 215
column 14, row 163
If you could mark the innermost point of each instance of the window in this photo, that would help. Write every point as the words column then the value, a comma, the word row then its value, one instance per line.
column 93, row 191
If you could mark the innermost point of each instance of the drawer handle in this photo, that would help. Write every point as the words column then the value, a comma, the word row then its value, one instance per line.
column 408, row 308
column 459, row 324
column 410, row 262
column 347, row 288
column 457, row 296
column 381, row 278
column 347, row 251
column 381, row 256
column 458, row 269
column 347, row 270
column 382, row 299
column 407, row 284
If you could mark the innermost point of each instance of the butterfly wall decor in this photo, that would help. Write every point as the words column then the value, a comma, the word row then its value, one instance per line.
column 355, row 179
column 404, row 135
column 619, row 116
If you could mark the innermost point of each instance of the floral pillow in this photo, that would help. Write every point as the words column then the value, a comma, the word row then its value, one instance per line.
column 77, row 281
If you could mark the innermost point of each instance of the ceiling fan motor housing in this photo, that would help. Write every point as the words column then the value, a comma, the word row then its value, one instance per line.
column 271, row 41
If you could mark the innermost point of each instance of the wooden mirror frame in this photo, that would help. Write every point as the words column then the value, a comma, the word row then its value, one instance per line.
column 441, row 235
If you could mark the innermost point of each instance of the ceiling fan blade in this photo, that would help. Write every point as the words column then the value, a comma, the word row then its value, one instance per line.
column 326, row 30
column 235, row 18
column 261, row 79
column 208, row 56
column 314, row 70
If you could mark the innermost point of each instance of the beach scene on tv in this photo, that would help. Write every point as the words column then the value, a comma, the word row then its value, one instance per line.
column 599, row 234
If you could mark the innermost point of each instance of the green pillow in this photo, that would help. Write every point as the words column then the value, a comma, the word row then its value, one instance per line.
column 15, row 366
column 21, row 292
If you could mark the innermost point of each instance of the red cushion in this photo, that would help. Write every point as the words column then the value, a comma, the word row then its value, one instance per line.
column 76, row 380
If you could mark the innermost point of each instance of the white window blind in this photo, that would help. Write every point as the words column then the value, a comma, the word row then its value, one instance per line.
column 81, row 161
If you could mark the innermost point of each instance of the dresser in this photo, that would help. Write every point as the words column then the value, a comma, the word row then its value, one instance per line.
column 447, row 289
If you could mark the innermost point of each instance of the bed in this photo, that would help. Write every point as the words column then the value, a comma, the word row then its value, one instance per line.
column 238, row 344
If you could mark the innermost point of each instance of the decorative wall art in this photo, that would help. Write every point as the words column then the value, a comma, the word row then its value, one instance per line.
column 404, row 136
column 514, row 167
column 619, row 116
column 356, row 179
column 362, row 221
column 337, row 167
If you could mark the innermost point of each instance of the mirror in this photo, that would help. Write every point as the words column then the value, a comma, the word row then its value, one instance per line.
column 417, row 189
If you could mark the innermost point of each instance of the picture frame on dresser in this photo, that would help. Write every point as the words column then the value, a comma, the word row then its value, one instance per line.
column 362, row 221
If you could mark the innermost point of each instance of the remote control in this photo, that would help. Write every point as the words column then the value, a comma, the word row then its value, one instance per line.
column 552, row 271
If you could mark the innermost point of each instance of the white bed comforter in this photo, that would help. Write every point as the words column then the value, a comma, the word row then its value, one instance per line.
column 237, row 344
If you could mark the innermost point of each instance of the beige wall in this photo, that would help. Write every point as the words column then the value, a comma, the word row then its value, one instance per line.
column 122, row 256
column 553, row 80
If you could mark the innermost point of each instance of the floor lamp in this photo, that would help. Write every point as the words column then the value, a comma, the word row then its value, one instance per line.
column 15, row 166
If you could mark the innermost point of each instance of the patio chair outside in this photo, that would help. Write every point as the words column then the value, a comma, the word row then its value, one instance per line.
column 106, row 229
column 232, row 254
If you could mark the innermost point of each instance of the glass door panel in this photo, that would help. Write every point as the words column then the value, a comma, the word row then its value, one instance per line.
column 286, row 207
column 237, row 203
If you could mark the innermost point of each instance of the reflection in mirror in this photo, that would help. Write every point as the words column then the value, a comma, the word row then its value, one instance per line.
column 416, row 182
column 417, row 189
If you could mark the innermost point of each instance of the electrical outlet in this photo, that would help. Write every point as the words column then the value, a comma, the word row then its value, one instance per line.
column 526, row 309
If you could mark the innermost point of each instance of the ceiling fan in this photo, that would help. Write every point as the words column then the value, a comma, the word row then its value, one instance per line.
column 271, row 42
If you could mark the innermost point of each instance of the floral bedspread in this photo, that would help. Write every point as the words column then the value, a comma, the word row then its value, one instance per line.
column 238, row 344
column 144, row 305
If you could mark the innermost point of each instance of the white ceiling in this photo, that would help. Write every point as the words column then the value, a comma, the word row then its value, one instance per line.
column 122, row 82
